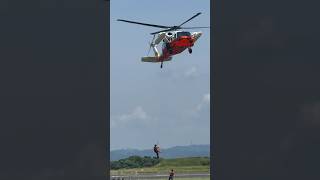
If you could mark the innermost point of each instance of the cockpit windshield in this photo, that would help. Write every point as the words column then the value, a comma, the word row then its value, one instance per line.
column 179, row 34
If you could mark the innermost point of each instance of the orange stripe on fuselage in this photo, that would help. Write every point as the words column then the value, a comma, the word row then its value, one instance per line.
column 183, row 41
column 178, row 45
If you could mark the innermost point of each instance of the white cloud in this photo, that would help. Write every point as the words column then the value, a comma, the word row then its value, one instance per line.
column 177, row 74
column 206, row 98
column 137, row 115
column 190, row 73
column 205, row 101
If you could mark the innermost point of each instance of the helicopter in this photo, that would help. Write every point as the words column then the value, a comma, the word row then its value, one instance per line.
column 174, row 39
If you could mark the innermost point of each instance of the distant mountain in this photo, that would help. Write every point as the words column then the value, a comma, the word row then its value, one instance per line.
column 174, row 152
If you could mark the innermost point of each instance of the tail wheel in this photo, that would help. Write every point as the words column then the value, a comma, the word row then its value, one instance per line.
column 190, row 50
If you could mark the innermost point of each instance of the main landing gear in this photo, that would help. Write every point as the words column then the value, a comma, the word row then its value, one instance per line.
column 190, row 50
column 161, row 64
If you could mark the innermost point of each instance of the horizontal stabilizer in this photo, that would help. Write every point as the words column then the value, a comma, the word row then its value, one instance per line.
column 149, row 59
column 153, row 59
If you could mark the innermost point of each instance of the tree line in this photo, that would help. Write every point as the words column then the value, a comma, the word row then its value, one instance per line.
column 134, row 162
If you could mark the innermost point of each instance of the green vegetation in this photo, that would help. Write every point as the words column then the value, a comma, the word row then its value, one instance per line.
column 190, row 161
column 180, row 165
column 134, row 162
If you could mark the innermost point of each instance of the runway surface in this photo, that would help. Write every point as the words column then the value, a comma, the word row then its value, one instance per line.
column 159, row 176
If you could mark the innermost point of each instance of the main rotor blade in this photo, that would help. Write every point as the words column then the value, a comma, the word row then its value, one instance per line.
column 161, row 31
column 145, row 24
column 194, row 27
column 189, row 19
column 177, row 28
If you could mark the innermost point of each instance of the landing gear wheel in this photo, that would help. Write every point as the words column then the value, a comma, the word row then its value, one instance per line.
column 190, row 50
column 161, row 65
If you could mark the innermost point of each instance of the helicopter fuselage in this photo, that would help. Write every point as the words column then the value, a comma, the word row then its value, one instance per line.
column 176, row 42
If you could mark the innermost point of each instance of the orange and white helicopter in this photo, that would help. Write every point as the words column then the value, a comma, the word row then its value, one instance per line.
column 174, row 40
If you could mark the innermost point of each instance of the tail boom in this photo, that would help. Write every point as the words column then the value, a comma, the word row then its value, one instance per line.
column 154, row 59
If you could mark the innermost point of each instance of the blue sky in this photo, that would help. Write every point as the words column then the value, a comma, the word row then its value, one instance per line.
column 148, row 104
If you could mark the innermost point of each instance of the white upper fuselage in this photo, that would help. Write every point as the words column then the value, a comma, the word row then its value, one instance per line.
column 168, row 37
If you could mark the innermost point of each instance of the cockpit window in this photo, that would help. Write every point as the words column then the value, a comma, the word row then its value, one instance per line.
column 179, row 34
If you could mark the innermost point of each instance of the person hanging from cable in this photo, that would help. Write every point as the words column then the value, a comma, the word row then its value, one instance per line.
column 156, row 150
column 171, row 174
